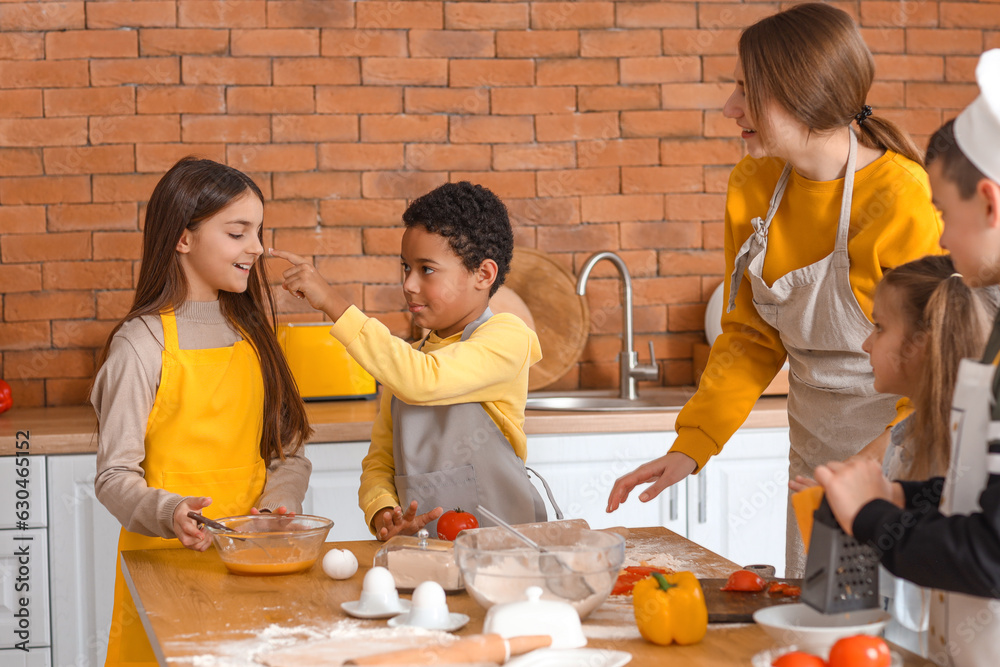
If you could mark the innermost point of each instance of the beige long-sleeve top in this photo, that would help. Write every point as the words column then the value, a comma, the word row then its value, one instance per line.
column 123, row 396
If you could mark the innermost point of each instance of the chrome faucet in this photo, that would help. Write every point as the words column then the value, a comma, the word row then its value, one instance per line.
column 630, row 370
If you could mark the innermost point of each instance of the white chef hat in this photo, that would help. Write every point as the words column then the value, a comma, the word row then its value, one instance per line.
column 977, row 128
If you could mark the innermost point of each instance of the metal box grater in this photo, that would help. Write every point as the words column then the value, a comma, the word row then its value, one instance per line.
column 841, row 573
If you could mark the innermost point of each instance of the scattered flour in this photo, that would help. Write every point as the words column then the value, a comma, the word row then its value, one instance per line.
column 654, row 559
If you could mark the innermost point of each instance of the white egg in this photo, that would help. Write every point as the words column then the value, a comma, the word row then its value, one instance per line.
column 429, row 595
column 378, row 580
column 340, row 563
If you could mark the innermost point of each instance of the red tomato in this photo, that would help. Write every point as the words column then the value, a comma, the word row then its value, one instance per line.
column 777, row 587
column 744, row 580
column 799, row 659
column 454, row 522
column 792, row 591
column 631, row 575
column 860, row 651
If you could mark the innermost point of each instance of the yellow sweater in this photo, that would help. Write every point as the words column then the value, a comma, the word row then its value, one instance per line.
column 892, row 222
column 490, row 367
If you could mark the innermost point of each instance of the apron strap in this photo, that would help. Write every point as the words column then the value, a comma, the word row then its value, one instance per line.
column 548, row 492
column 990, row 357
column 169, row 322
column 841, row 258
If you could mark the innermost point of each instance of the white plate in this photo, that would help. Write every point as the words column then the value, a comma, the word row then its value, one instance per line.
column 455, row 621
column 571, row 657
column 354, row 609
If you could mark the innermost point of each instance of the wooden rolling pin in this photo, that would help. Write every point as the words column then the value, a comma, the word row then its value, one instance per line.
column 477, row 648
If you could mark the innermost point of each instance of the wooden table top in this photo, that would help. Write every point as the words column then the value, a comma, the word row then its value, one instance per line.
column 196, row 612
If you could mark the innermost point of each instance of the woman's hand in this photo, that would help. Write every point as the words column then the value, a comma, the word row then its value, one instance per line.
column 396, row 522
column 190, row 533
column 851, row 485
column 662, row 472
column 303, row 281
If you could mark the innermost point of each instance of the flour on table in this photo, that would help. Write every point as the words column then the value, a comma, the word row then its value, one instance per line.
column 652, row 559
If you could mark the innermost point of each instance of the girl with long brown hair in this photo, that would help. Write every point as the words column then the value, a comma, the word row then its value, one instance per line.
column 197, row 408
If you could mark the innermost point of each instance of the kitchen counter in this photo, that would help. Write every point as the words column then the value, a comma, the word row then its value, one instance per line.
column 200, row 614
column 73, row 429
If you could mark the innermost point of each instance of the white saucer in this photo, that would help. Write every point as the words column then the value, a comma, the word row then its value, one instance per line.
column 592, row 657
column 354, row 609
column 455, row 621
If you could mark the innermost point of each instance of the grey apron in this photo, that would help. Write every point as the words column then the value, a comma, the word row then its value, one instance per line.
column 455, row 456
column 833, row 408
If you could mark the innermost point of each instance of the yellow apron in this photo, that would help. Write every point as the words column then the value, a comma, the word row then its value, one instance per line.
column 202, row 439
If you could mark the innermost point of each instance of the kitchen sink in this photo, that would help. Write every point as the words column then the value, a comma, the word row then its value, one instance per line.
column 667, row 398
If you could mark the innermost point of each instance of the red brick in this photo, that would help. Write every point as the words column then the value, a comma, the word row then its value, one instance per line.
column 316, row 185
column 70, row 217
column 74, row 333
column 226, row 70
column 45, row 190
column 274, row 42
column 89, row 160
column 578, row 72
column 43, row 131
column 910, row 68
column 695, row 207
column 613, row 98
column 885, row 94
column 618, row 152
column 660, row 235
column 87, row 275
column 533, row 100
column 158, row 158
column 60, row 391
column 717, row 69
column 133, row 129
column 991, row 40
column 20, row 162
column 892, row 14
column 364, row 269
column 382, row 241
column 447, row 157
column 577, row 239
column 42, row 16
column 661, row 123
column 722, row 16
column 717, row 180
column 316, row 71
column 502, row 72
column 21, row 336
column 660, row 70
column 945, row 42
column 183, row 41
column 359, row 99
column 485, row 16
column 404, row 127
column 572, row 15
column 275, row 157
column 360, row 157
column 700, row 151
column 960, row 69
column 620, row 43
column 534, row 156
column 290, row 213
column 363, row 213
column 563, row 183
column 621, row 208
column 118, row 245
column 136, row 14
column 655, row 14
column 383, row 297
column 22, row 219
column 324, row 241
column 940, row 95
column 505, row 184
column 544, row 211
column 155, row 71
column 244, row 129
column 44, row 74
column 400, row 184
column 696, row 95
column 19, row 278
column 707, row 42
column 404, row 71
column 124, row 187
column 570, row 127
column 50, row 363
column 91, row 44
column 269, row 99
column 538, row 44
column 29, row 393
column 717, row 125
column 380, row 14
column 314, row 127
column 230, row 14
column 686, row 317
column 491, row 130
column 885, row 40
column 654, row 291
column 638, row 180
column 92, row 101
column 978, row 15
column 22, row 46
column 113, row 305
column 21, row 103
column 461, row 101
column 180, row 99
column 370, row 42
column 75, row 304
column 310, row 14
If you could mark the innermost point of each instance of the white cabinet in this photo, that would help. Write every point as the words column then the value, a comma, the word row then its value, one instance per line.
column 333, row 488
column 32, row 658
column 24, row 588
column 22, row 480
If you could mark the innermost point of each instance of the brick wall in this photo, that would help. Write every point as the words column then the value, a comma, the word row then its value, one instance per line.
column 599, row 123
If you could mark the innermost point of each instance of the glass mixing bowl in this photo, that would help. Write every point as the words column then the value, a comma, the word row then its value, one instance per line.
column 270, row 544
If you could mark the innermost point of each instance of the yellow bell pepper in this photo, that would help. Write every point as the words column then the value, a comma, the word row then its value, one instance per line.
column 670, row 608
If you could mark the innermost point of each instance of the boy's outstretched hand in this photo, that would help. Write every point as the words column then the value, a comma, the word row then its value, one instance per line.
column 303, row 281
column 852, row 484
column 397, row 522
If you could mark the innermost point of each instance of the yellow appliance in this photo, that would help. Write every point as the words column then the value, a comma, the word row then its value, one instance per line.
column 321, row 365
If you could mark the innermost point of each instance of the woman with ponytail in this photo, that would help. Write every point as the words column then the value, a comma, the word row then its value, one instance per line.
column 830, row 196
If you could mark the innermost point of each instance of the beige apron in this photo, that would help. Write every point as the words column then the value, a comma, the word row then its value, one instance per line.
column 833, row 408
column 965, row 629
column 455, row 456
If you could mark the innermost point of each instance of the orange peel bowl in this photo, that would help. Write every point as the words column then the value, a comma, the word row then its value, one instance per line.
column 270, row 544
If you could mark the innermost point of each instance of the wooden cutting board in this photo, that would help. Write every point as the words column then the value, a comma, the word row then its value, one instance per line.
column 737, row 606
